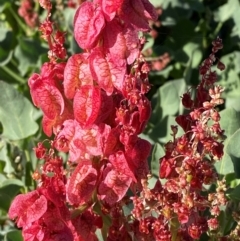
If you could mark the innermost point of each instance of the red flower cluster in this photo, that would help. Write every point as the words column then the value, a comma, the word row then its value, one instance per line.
column 95, row 105
column 175, row 208
column 26, row 11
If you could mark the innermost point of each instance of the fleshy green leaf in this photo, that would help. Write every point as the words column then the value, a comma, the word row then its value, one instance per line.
column 230, row 122
column 169, row 96
column 28, row 53
column 5, row 46
column 233, row 150
column 8, row 190
column 157, row 152
column 235, row 194
column 15, row 114
column 15, row 235
column 7, row 166
column 226, row 11
column 229, row 78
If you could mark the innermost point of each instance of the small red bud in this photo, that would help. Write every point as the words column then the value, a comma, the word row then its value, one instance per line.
column 187, row 101
column 220, row 65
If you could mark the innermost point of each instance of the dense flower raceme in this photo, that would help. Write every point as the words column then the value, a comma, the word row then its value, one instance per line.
column 174, row 210
column 95, row 106
column 27, row 12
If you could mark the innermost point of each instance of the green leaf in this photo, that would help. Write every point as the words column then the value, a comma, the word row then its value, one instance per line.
column 169, row 96
column 157, row 153
column 233, row 150
column 162, row 131
column 4, row 4
column 230, row 122
column 5, row 159
column 149, row 43
column 226, row 11
column 236, row 19
column 174, row 10
column 15, row 114
column 9, row 189
column 69, row 17
column 231, row 180
column 233, row 103
column 225, row 165
column 99, row 235
column 28, row 53
column 235, row 193
column 106, row 221
column 187, row 29
column 229, row 78
column 226, row 222
column 5, row 45
column 195, row 56
column 15, row 235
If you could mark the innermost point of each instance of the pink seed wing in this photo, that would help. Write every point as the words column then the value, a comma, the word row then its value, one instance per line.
column 48, row 98
column 82, row 183
column 88, row 23
column 108, row 72
column 76, row 74
column 110, row 8
column 86, row 104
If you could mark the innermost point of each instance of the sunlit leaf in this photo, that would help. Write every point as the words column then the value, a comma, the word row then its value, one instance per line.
column 157, row 153
column 233, row 150
column 15, row 114
column 14, row 235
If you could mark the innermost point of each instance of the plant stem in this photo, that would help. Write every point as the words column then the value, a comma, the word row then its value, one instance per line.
column 19, row 21
column 12, row 74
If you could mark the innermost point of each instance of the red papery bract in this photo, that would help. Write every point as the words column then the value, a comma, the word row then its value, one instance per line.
column 28, row 208
column 76, row 74
column 33, row 232
column 55, row 191
column 109, row 73
column 137, row 157
column 81, row 141
column 54, row 73
column 66, row 135
column 53, row 125
column 121, row 41
column 46, row 96
column 82, row 183
column 121, row 165
column 84, row 227
column 88, row 23
column 184, row 121
column 144, row 108
column 139, row 151
column 89, row 141
column 114, row 185
column 137, row 13
column 86, row 104
column 55, row 228
column 112, row 142
column 47, row 125
column 110, row 8
column 167, row 167
column 106, row 107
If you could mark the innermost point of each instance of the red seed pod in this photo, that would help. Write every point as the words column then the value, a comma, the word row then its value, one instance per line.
column 220, row 65
column 40, row 150
column 194, row 231
column 217, row 44
column 187, row 101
